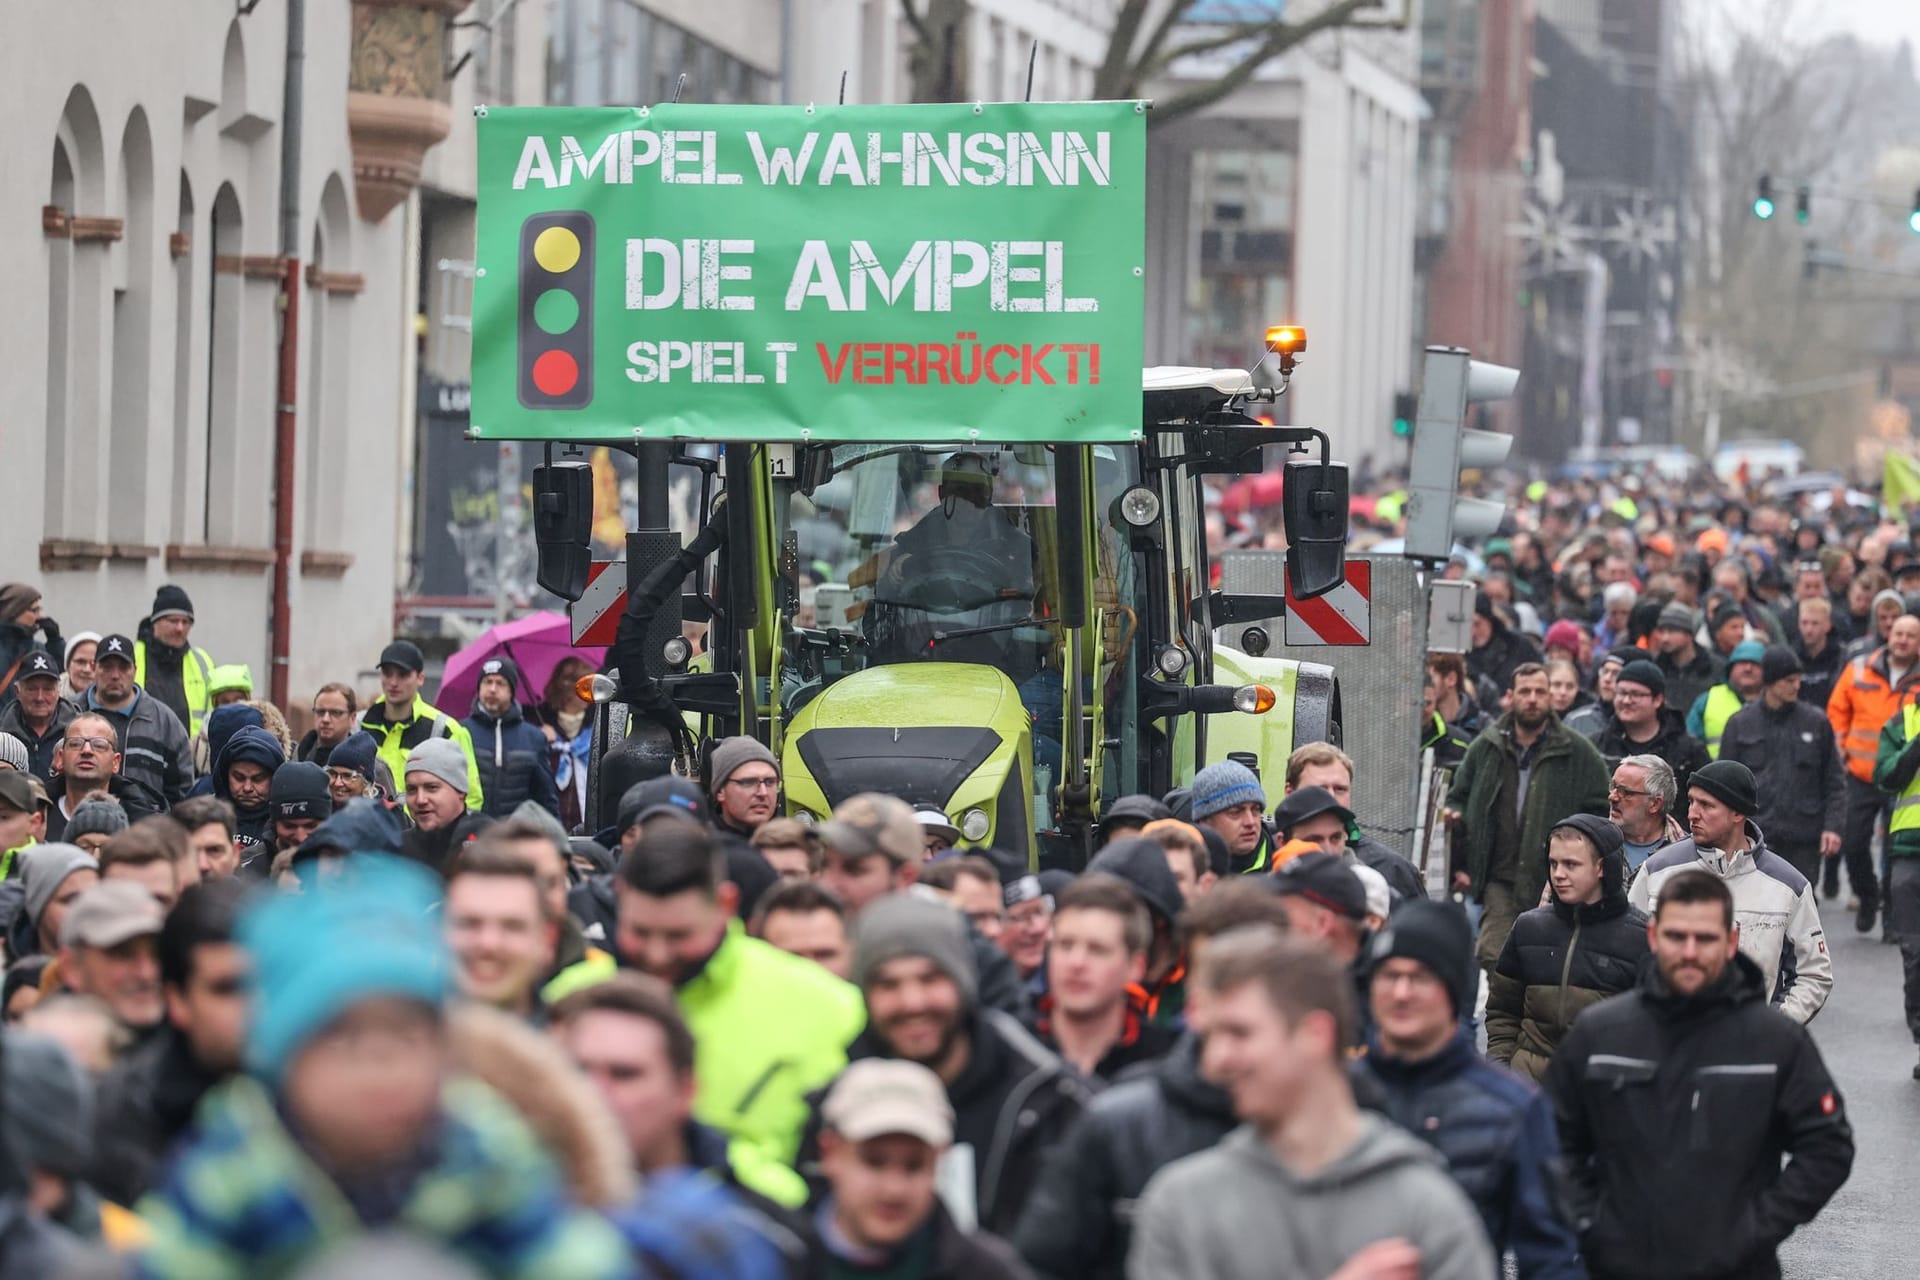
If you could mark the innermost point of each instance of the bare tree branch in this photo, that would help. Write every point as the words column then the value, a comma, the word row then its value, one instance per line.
column 1115, row 66
column 915, row 21
column 1283, row 38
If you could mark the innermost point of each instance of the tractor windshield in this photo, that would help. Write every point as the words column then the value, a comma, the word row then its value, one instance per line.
column 917, row 553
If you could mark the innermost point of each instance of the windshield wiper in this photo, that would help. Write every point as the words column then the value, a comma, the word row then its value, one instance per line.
column 940, row 637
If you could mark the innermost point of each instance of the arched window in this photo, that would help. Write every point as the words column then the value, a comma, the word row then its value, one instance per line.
column 76, row 324
column 189, row 448
column 226, row 338
column 128, row 456
column 327, row 319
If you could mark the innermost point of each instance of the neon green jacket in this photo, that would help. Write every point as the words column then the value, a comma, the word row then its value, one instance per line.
column 196, row 675
column 396, row 740
column 771, row 1028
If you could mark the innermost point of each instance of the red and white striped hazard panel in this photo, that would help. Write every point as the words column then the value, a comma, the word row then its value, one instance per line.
column 1343, row 616
column 596, row 614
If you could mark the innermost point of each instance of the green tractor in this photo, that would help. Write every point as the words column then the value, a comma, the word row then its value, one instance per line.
column 1015, row 633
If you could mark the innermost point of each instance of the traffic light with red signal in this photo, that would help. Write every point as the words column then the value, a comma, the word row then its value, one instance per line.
column 556, row 311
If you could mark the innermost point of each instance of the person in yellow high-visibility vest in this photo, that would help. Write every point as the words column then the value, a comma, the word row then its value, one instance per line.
column 1896, row 772
column 402, row 719
column 167, row 666
column 1707, row 717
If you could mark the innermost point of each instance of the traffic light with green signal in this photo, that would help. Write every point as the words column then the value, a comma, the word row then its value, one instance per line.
column 1763, row 198
column 1406, row 407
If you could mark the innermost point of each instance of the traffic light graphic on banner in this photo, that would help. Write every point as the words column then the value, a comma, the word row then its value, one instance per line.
column 556, row 311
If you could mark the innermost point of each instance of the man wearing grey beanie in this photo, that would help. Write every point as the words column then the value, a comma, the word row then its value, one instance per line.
column 54, row 875
column 1012, row 1099
column 437, row 784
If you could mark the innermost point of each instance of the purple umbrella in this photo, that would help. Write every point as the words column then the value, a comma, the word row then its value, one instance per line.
column 537, row 644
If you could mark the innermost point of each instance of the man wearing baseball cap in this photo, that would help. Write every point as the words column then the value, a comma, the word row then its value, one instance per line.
column 402, row 719
column 17, row 810
column 873, row 846
column 1325, row 901
column 38, row 715
column 1773, row 904
column 153, row 742
column 884, row 1126
column 108, row 949
column 1012, row 1099
column 1642, row 724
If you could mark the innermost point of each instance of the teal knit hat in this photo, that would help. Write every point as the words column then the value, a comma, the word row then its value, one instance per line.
column 1747, row 651
column 371, row 932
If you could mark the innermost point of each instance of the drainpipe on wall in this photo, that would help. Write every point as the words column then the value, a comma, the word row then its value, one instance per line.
column 283, row 426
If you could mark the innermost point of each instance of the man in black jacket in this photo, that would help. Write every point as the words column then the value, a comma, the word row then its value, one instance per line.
column 1689, row 669
column 1497, row 649
column 1012, row 1100
column 1789, row 746
column 1077, row 1221
column 1688, row 1091
column 147, row 1101
column 1643, row 724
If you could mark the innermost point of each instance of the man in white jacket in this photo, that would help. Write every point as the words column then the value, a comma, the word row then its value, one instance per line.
column 1773, row 904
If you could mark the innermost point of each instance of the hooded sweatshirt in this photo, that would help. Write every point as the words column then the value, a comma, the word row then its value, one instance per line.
column 222, row 723
column 253, row 834
column 1237, row 1211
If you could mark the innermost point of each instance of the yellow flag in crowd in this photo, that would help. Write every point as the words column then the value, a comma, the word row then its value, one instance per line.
column 1899, row 481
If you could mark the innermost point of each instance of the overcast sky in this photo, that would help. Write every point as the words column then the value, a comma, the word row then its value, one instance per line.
column 1882, row 21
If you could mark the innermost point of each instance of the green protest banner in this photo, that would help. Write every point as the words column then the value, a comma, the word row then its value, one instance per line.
column 898, row 273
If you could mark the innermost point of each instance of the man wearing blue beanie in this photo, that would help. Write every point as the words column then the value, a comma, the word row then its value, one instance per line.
column 1228, row 799
column 350, row 1119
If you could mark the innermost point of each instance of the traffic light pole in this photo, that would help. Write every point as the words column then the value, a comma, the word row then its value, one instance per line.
column 293, row 94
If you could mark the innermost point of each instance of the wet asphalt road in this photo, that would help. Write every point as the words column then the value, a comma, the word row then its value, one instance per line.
column 1871, row 1230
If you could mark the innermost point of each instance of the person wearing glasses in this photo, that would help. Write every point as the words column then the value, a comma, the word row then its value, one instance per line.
column 1640, row 802
column 87, row 765
column 1642, row 724
column 334, row 709
column 744, row 781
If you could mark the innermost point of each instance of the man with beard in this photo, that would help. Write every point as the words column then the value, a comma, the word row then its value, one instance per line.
column 1788, row 745
column 1013, row 1101
column 243, row 777
column 1688, row 1091
column 167, row 665
column 1690, row 670
column 770, row 1027
column 153, row 743
column 1643, row 724
column 1779, row 923
column 1867, row 697
column 1519, row 778
column 38, row 715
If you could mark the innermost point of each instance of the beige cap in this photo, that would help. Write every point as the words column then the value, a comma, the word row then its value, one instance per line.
column 874, row 823
column 109, row 914
column 875, row 1097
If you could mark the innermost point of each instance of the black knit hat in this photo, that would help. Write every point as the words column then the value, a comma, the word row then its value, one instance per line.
column 1778, row 663
column 1729, row 782
column 171, row 600
column 1645, row 674
column 299, row 790
column 1437, row 935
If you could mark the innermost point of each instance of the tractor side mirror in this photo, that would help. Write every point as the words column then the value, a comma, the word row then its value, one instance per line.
column 1314, row 507
column 563, row 526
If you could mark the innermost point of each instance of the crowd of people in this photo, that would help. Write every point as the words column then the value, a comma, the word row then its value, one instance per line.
column 376, row 1001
